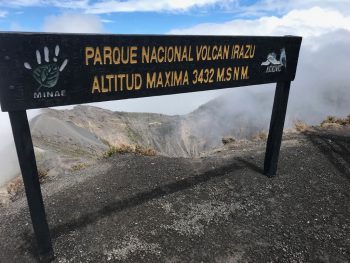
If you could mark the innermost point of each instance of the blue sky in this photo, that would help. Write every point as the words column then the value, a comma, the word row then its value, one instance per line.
column 134, row 16
column 145, row 16
column 31, row 15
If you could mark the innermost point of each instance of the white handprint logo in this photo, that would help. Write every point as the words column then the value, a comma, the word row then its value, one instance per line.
column 47, row 74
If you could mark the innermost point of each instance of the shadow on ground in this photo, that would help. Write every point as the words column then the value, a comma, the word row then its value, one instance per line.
column 336, row 149
column 157, row 192
column 220, row 208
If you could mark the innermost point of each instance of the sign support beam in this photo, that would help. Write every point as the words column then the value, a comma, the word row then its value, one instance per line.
column 276, row 128
column 27, row 162
column 69, row 69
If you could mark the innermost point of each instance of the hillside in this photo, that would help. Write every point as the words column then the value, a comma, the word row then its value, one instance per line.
column 214, row 208
column 178, row 136
column 70, row 139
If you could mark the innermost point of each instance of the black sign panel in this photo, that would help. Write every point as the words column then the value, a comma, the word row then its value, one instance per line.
column 44, row 70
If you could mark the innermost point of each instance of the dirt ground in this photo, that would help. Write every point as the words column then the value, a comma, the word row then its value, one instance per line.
column 218, row 208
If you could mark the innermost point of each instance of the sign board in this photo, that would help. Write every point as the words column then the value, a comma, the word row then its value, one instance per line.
column 44, row 70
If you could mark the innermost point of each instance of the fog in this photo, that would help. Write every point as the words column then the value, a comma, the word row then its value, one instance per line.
column 321, row 88
column 8, row 161
column 322, row 85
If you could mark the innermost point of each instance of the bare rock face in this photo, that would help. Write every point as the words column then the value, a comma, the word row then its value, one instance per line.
column 64, row 134
column 89, row 131
column 95, row 130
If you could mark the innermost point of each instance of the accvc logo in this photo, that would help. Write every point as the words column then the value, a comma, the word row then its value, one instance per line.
column 273, row 64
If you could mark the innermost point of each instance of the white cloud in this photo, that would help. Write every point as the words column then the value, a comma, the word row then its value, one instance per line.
column 7, row 171
column 151, row 6
column 322, row 84
column 310, row 22
column 73, row 23
column 69, row 4
column 20, row 2
column 56, row 3
column 284, row 6
column 8, row 161
column 107, row 21
column 238, row 7
column 3, row 13
column 111, row 6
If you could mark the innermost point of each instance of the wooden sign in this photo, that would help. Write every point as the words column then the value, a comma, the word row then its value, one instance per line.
column 45, row 70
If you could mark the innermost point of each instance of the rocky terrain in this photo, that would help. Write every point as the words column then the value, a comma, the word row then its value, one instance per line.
column 191, row 199
column 70, row 139
column 178, row 136
column 214, row 208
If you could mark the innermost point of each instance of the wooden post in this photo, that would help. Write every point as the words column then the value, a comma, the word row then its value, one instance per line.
column 26, row 157
column 276, row 128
